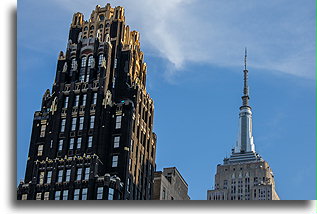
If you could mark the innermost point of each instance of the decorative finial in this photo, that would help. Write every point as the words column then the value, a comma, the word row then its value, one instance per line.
column 245, row 58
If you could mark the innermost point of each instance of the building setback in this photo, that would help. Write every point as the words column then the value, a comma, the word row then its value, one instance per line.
column 244, row 175
column 93, row 137
column 169, row 185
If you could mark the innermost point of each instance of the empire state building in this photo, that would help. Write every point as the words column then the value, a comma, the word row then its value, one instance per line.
column 244, row 175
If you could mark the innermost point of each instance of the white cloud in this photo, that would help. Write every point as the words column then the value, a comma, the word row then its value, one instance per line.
column 279, row 34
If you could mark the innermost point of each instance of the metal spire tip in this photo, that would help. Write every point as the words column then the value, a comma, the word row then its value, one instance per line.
column 245, row 58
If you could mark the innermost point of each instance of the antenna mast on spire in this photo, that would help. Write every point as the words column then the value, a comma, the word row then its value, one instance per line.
column 245, row 97
column 245, row 58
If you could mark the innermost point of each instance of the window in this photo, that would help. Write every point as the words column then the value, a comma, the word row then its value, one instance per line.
column 41, row 181
column 47, row 196
column 76, row 100
column 39, row 196
column 79, row 143
column 86, row 28
column 60, row 145
column 57, row 195
column 79, row 172
column 101, row 17
column 65, row 194
column 68, row 171
column 84, row 194
column 115, row 161
column 149, row 187
column 225, row 184
column 116, row 142
column 63, row 122
column 100, row 26
column 128, row 184
column 83, row 103
column 141, row 158
column 81, row 123
column 49, row 177
column 118, row 122
column 94, row 99
column 82, row 75
column 60, row 176
column 100, row 59
column 115, row 63
column 66, row 102
column 74, row 121
column 152, row 151
column 140, row 177
column 150, row 169
column 130, row 164
column 110, row 194
column 99, row 193
column 40, row 150
column 92, row 27
column 92, row 122
column 73, row 63
column 164, row 193
column 76, row 194
column 90, row 60
column 43, row 128
column 24, row 196
column 87, row 171
column 71, row 143
column 89, row 141
column 255, row 180
column 83, row 62
column 87, row 77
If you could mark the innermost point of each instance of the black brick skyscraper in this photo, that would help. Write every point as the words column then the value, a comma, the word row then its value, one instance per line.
column 93, row 137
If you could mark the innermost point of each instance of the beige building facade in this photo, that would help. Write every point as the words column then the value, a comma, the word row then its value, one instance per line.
column 169, row 185
column 244, row 181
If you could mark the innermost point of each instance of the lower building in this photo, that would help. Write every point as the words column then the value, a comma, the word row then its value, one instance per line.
column 169, row 185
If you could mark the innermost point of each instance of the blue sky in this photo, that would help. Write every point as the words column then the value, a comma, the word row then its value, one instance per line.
column 194, row 51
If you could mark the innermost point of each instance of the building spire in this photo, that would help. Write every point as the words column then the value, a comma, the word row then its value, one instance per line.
column 245, row 138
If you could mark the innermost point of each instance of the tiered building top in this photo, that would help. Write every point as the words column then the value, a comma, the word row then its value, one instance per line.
column 107, row 25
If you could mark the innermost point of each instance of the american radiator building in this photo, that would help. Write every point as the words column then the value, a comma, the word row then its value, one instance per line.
column 93, row 137
column 244, row 175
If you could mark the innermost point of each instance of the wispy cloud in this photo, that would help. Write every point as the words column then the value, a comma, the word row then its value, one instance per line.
column 279, row 34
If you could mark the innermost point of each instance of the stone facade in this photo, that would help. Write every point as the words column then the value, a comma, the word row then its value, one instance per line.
column 244, row 181
column 169, row 185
